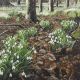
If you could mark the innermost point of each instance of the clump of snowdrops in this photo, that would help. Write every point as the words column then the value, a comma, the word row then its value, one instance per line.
column 17, row 55
column 59, row 39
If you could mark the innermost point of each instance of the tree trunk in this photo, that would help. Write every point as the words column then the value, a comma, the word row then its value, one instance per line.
column 67, row 3
column 76, row 1
column 40, row 5
column 18, row 2
column 31, row 10
column 4, row 3
column 51, row 7
column 57, row 3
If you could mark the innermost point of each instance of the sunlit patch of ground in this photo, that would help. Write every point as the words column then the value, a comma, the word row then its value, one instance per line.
column 2, row 14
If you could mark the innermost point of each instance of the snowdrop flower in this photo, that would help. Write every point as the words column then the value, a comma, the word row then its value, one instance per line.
column 15, row 43
column 23, row 74
column 29, row 58
column 33, row 48
column 51, row 42
column 11, row 61
column 60, row 38
column 62, row 33
column 15, row 54
column 55, row 40
column 10, row 75
column 35, row 51
column 67, row 40
column 20, row 46
column 6, row 42
column 3, row 41
column 7, row 50
column 75, row 23
column 17, row 57
column 0, row 61
column 13, row 67
column 59, row 30
column 3, row 51
column 51, row 39
column 67, row 36
column 17, row 61
column 50, row 35
column 9, row 44
column 13, row 46
column 1, row 72
column 58, row 42
column 70, row 42
column 54, row 33
column 5, row 55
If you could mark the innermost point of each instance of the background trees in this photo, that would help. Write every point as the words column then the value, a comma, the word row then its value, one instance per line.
column 42, row 5
column 4, row 3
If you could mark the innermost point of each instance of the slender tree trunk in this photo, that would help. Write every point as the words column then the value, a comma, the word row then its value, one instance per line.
column 57, row 3
column 51, row 6
column 67, row 2
column 31, row 10
column 40, row 5
column 76, row 2
column 18, row 2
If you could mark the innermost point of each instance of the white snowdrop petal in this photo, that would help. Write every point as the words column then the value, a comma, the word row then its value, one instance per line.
column 23, row 74
column 17, row 57
column 35, row 51
column 10, row 75
column 13, row 67
column 29, row 58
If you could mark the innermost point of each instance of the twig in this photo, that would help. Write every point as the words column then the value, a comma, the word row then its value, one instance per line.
column 3, row 32
column 12, row 25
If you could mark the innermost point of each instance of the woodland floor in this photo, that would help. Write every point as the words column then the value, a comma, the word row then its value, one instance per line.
column 70, row 61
